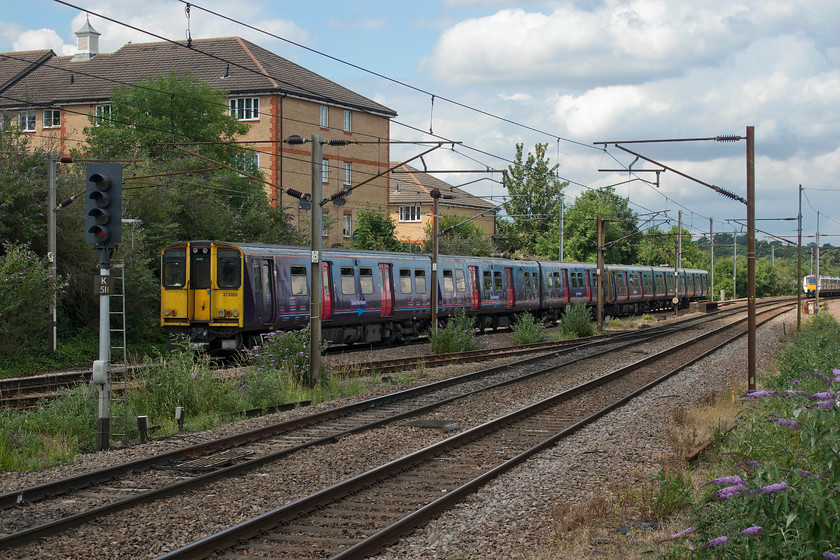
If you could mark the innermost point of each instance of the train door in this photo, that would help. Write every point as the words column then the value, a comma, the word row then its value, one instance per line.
column 511, row 297
column 387, row 292
column 200, row 267
column 591, row 285
column 475, row 296
column 264, row 290
column 565, row 285
column 326, row 292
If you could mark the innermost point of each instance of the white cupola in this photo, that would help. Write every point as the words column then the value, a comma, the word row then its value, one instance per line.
column 88, row 42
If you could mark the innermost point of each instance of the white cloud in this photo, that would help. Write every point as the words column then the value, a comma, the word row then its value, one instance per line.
column 39, row 39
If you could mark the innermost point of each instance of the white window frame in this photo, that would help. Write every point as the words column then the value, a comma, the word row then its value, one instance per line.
column 54, row 121
column 102, row 114
column 325, row 171
column 26, row 121
column 348, row 225
column 348, row 173
column 348, row 120
column 245, row 108
column 325, row 116
column 410, row 213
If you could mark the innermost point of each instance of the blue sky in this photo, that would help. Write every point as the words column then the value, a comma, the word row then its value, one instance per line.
column 564, row 73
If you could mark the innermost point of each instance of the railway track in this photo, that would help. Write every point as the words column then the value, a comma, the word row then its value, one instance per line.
column 233, row 455
column 364, row 514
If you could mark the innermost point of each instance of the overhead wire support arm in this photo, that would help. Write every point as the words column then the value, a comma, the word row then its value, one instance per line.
column 715, row 188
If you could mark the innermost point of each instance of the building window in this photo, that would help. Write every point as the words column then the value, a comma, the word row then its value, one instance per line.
column 103, row 114
column 26, row 121
column 347, row 122
column 245, row 108
column 52, row 118
column 325, row 171
column 325, row 116
column 410, row 213
column 348, row 173
column 348, row 225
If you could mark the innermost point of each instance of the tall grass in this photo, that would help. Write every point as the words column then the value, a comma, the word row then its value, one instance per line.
column 276, row 373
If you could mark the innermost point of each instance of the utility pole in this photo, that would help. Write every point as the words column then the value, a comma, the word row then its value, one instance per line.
column 52, row 164
column 601, row 283
column 435, row 194
column 678, row 252
column 561, row 226
column 751, row 323
column 315, row 286
column 734, row 263
column 712, row 260
column 817, row 290
column 799, row 264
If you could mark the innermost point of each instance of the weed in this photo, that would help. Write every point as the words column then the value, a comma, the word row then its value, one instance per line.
column 528, row 330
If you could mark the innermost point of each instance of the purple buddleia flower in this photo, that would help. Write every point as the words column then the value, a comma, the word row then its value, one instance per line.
column 750, row 464
column 730, row 491
column 820, row 396
column 785, row 422
column 754, row 530
column 803, row 473
column 760, row 394
column 718, row 541
column 689, row 545
column 726, row 480
column 830, row 556
column 778, row 487
column 683, row 533
column 823, row 404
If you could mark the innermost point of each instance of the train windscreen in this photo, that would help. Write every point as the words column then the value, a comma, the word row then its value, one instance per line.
column 174, row 267
column 200, row 268
column 229, row 273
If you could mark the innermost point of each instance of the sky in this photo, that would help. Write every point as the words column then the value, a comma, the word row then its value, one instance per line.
column 490, row 74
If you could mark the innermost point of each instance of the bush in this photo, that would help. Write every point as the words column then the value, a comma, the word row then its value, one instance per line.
column 527, row 330
column 576, row 322
column 25, row 296
column 457, row 336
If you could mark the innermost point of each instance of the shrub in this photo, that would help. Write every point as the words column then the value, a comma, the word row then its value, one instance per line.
column 24, row 296
column 528, row 330
column 457, row 336
column 576, row 322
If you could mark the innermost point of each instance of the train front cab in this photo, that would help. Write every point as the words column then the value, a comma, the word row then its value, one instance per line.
column 202, row 293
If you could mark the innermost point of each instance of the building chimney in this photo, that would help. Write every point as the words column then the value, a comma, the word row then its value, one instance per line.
column 88, row 42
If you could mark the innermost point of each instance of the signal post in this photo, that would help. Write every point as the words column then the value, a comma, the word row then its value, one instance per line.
column 103, row 229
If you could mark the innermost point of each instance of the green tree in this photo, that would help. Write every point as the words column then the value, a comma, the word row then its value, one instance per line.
column 25, row 297
column 456, row 236
column 23, row 191
column 534, row 206
column 581, row 228
column 376, row 230
column 659, row 248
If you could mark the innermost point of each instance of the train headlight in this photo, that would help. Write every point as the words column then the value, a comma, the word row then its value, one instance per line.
column 221, row 313
column 166, row 312
column 236, row 313
column 227, row 313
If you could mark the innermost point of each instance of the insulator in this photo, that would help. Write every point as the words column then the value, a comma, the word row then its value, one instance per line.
column 337, row 142
column 340, row 193
column 295, row 139
column 727, row 138
column 294, row 193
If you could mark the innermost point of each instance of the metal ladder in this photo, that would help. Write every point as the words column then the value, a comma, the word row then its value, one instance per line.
column 119, row 369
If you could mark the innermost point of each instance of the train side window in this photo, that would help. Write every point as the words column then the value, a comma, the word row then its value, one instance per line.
column 300, row 284
column 174, row 268
column 420, row 281
column 366, row 280
column 558, row 283
column 527, row 280
column 228, row 269
column 549, row 280
column 348, row 280
column 460, row 280
column 405, row 281
column 497, row 280
column 448, row 282
column 488, row 280
column 257, row 279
